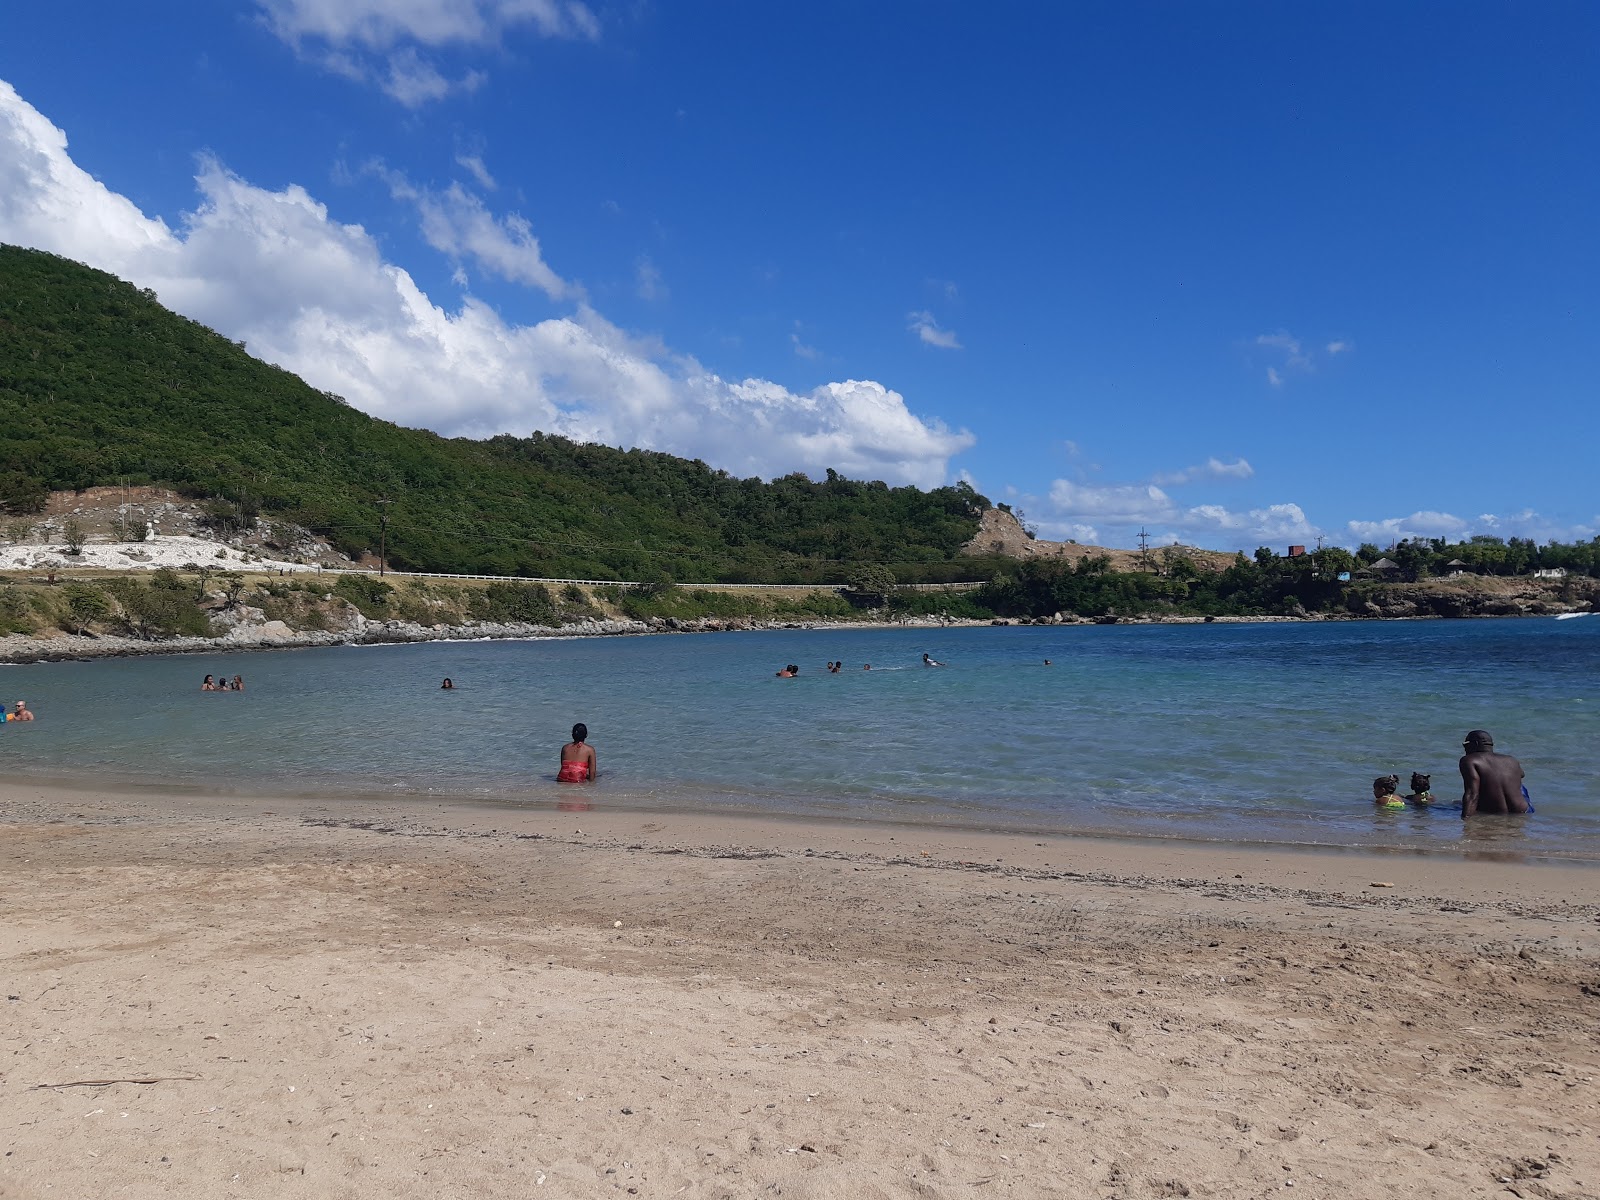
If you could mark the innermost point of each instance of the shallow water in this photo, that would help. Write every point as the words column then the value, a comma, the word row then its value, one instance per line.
column 1267, row 732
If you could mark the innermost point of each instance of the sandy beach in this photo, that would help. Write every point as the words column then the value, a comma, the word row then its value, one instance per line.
column 230, row 997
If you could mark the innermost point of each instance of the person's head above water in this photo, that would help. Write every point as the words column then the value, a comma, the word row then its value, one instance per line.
column 1385, row 785
column 1477, row 740
column 1421, row 783
column 580, row 732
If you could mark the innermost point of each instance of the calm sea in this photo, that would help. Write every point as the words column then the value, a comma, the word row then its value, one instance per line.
column 1235, row 732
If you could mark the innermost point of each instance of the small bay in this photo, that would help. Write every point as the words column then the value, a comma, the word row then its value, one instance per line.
column 1237, row 732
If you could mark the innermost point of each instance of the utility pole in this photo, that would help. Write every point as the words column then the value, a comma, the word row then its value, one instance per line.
column 1144, row 547
column 383, row 533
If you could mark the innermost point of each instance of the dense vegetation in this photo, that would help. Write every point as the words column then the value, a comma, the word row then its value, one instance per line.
column 100, row 384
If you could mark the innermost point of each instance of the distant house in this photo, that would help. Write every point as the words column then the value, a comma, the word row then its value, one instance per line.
column 1297, row 551
column 1455, row 567
column 1384, row 568
column 1551, row 573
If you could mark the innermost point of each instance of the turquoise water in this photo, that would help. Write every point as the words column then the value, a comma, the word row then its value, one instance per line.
column 1238, row 732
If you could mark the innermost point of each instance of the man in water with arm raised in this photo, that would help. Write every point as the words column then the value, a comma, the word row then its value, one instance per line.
column 1491, row 783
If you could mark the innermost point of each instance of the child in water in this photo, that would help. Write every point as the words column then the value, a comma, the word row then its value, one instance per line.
column 1383, row 792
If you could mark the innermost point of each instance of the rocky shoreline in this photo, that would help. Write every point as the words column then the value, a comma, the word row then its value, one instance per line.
column 248, row 635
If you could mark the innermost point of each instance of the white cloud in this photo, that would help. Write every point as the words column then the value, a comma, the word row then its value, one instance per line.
column 925, row 327
column 380, row 25
column 1290, row 346
column 376, row 41
column 1212, row 468
column 456, row 222
column 1336, row 348
column 1427, row 524
column 316, row 297
column 1111, row 504
column 473, row 165
column 413, row 81
column 800, row 348
column 1119, row 510
column 647, row 284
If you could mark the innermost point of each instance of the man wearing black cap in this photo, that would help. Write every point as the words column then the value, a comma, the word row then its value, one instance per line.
column 1492, row 783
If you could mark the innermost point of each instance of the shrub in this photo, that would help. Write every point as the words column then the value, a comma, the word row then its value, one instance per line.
column 86, row 604
column 367, row 592
column 150, row 611
column 529, row 603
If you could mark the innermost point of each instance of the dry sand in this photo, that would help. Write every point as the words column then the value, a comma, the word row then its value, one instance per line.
column 378, row 999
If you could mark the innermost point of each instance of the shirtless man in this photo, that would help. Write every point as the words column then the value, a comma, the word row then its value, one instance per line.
column 21, row 712
column 1491, row 782
column 578, row 763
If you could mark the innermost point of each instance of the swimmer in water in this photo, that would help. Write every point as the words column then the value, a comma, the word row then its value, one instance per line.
column 578, row 764
column 928, row 661
column 1048, row 663
column 238, row 683
column 1491, row 781
column 1383, row 792
column 208, row 684
column 21, row 713
column 447, row 686
column 866, row 666
column 789, row 672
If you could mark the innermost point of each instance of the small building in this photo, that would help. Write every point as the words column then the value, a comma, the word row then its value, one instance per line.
column 1455, row 567
column 1384, row 569
column 1297, row 551
column 1551, row 573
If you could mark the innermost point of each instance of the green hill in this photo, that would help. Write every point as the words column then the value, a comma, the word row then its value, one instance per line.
column 100, row 384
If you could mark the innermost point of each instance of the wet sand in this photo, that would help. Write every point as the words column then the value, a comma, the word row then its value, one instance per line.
column 404, row 998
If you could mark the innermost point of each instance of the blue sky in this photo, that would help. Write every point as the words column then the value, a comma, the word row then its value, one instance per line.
column 1237, row 273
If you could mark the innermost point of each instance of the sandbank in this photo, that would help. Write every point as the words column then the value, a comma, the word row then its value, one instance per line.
column 359, row 998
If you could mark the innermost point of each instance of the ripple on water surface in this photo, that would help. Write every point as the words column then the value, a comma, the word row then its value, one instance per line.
column 1239, row 732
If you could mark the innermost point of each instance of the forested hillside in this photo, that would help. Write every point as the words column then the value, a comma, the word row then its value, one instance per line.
column 99, row 384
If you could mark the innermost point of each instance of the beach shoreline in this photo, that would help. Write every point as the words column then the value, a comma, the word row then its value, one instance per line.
column 336, row 1001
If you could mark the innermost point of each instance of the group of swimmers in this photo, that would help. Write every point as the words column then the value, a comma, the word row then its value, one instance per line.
column 212, row 684
column 20, row 712
column 1491, row 782
column 791, row 670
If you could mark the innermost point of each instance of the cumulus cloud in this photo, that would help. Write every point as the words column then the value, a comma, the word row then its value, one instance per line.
column 315, row 296
column 925, row 327
column 1336, row 348
column 1212, row 468
column 1428, row 524
column 377, row 41
column 1118, row 510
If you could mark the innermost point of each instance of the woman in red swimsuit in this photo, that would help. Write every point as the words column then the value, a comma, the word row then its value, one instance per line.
column 577, row 758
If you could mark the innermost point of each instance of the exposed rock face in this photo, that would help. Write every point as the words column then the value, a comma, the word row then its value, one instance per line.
column 999, row 532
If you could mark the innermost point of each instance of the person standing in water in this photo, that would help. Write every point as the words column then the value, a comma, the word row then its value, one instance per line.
column 1491, row 782
column 21, row 712
column 578, row 764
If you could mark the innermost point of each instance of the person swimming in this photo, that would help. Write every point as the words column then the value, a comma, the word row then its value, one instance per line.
column 238, row 683
column 578, row 763
column 208, row 684
column 788, row 672
column 21, row 713
column 929, row 661
column 1048, row 663
column 1421, row 790
column 1383, row 792
column 447, row 685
